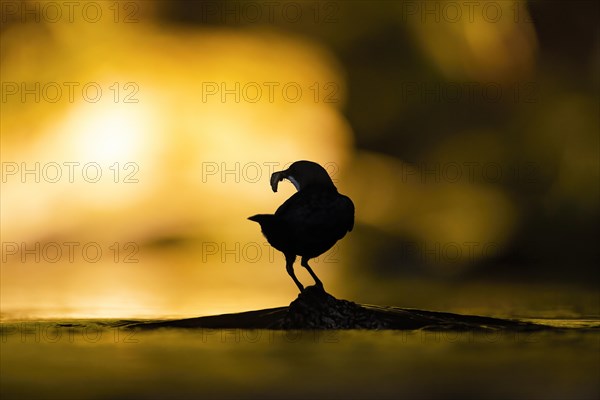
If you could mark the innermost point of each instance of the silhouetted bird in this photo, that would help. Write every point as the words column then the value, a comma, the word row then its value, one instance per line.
column 311, row 221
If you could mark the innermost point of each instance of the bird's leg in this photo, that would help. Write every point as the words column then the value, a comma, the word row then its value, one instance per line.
column 304, row 263
column 289, row 266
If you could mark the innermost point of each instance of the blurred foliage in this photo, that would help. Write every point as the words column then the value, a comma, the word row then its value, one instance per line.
column 469, row 144
column 423, row 80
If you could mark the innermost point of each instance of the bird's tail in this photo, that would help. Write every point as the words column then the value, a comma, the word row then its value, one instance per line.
column 272, row 228
column 262, row 219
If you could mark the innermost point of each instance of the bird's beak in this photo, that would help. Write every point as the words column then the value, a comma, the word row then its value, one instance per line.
column 277, row 177
column 281, row 175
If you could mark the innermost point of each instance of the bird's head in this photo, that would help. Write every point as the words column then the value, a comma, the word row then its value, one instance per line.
column 302, row 174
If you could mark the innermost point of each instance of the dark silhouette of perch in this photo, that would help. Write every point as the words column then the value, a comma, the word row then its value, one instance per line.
column 311, row 221
column 316, row 309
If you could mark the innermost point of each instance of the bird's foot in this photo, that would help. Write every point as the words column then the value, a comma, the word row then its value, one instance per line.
column 319, row 285
column 315, row 289
column 314, row 294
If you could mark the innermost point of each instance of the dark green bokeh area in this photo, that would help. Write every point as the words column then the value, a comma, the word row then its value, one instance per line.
column 529, row 130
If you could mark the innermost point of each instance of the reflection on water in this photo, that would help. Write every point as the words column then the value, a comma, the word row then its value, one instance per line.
column 101, row 359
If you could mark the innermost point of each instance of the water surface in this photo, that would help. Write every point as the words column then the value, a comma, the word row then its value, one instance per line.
column 94, row 359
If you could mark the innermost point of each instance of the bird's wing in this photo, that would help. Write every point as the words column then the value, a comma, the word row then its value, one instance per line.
column 317, row 210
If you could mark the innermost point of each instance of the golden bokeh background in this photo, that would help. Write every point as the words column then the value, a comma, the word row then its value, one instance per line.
column 467, row 136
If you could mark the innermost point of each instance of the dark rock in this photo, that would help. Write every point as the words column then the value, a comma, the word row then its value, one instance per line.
column 316, row 309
